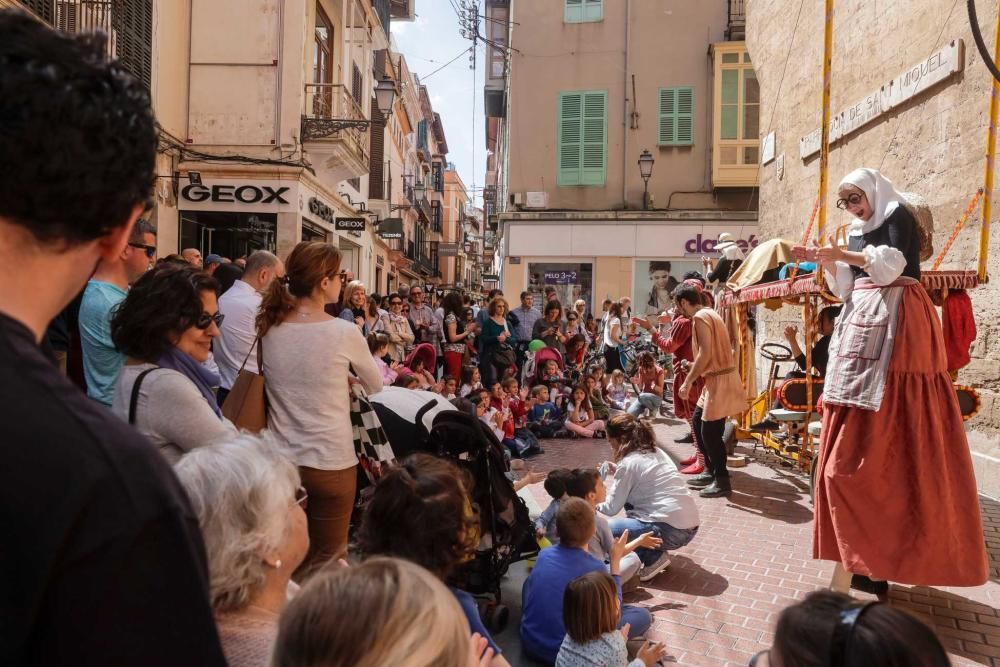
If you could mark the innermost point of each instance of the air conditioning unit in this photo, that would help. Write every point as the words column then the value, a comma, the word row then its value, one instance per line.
column 517, row 198
column 536, row 200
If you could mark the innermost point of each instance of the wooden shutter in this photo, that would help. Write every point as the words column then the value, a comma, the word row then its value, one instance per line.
column 676, row 116
column 376, row 177
column 580, row 11
column 133, row 26
column 595, row 131
column 583, row 134
column 570, row 138
column 357, row 83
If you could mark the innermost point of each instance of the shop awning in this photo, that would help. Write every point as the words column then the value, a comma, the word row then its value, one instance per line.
column 806, row 284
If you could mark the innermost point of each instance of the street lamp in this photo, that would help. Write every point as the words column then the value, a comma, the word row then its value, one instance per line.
column 385, row 95
column 645, row 170
column 418, row 190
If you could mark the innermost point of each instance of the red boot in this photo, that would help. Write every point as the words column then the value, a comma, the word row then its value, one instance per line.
column 689, row 460
column 697, row 467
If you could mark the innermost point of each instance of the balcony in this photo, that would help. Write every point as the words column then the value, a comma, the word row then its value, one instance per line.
column 335, row 132
column 424, row 256
column 128, row 25
column 737, row 29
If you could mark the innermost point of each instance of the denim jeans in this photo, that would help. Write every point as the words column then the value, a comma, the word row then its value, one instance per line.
column 646, row 401
column 639, row 619
column 673, row 538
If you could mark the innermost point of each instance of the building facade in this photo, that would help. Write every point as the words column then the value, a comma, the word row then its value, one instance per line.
column 576, row 92
column 910, row 96
column 272, row 132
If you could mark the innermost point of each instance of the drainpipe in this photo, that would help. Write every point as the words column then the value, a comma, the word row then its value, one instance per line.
column 625, row 116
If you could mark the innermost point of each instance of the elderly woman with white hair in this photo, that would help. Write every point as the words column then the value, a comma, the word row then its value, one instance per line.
column 356, row 306
column 895, row 490
column 249, row 504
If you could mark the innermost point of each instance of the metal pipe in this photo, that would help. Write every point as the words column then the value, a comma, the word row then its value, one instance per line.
column 625, row 116
column 824, row 155
column 991, row 153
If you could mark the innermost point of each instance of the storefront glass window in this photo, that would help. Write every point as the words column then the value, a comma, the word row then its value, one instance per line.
column 655, row 281
column 229, row 234
column 572, row 281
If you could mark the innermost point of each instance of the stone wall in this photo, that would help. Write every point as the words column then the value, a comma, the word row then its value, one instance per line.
column 934, row 144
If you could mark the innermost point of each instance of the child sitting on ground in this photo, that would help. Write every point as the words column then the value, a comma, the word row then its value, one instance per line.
column 600, row 408
column 471, row 381
column 378, row 345
column 544, row 419
column 580, row 416
column 555, row 486
column 450, row 390
column 488, row 414
column 519, row 402
column 542, row 629
column 587, row 483
column 591, row 617
column 406, row 381
column 617, row 394
column 425, row 379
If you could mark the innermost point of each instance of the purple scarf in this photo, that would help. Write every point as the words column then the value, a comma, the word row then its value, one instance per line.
column 202, row 378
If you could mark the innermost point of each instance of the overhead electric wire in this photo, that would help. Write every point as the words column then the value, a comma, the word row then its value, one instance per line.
column 463, row 52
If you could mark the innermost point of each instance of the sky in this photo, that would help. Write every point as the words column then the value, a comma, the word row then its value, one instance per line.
column 429, row 42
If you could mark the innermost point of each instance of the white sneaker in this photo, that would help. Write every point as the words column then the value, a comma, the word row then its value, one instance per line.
column 659, row 565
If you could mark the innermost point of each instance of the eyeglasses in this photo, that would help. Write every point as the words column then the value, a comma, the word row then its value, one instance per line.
column 395, row 303
column 755, row 660
column 205, row 320
column 854, row 199
column 150, row 249
column 301, row 497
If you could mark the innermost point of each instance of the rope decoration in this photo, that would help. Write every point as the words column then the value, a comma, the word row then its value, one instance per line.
column 958, row 228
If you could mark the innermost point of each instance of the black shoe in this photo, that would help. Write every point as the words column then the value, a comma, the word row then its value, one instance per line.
column 717, row 488
column 765, row 426
column 684, row 439
column 860, row 582
column 702, row 480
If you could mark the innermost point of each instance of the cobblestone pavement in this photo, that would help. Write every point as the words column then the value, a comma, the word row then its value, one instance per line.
column 718, row 601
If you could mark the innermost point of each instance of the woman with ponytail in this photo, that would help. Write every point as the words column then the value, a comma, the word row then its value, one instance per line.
column 309, row 360
column 647, row 480
column 421, row 511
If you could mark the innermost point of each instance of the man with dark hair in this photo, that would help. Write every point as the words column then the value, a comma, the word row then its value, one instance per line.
column 723, row 393
column 105, row 290
column 103, row 561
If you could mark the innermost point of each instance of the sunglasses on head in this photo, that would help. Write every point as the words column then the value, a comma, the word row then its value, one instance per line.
column 150, row 249
column 852, row 199
column 205, row 320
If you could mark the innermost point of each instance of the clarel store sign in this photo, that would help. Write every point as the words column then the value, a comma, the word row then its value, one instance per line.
column 246, row 196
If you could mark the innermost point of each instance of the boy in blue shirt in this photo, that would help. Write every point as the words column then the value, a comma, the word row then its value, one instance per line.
column 542, row 628
column 544, row 418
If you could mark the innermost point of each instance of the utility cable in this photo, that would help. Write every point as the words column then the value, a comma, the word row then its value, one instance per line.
column 977, row 35
column 462, row 53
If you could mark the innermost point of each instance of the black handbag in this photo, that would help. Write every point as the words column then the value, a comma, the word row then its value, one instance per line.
column 504, row 356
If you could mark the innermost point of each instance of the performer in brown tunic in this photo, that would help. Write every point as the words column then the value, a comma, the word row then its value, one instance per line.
column 895, row 490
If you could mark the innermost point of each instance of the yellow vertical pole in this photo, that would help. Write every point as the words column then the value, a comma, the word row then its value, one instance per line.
column 824, row 149
column 991, row 153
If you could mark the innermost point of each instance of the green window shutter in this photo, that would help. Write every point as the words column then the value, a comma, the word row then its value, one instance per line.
column 582, row 11
column 676, row 116
column 573, row 11
column 570, row 138
column 595, row 138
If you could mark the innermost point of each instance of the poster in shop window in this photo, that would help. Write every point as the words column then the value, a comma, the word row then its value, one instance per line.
column 654, row 281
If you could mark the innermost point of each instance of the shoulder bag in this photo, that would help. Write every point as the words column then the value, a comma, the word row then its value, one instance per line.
column 246, row 404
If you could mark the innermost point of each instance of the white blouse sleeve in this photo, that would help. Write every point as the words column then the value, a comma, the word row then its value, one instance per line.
column 841, row 281
column 883, row 263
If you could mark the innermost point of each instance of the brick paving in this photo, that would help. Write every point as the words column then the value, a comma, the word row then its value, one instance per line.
column 718, row 601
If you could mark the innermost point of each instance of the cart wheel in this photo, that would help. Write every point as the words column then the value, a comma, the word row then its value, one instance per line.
column 729, row 438
column 496, row 617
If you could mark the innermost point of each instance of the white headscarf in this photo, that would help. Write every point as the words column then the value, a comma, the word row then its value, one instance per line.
column 882, row 195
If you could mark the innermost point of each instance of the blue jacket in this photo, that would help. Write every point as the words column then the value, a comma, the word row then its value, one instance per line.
column 542, row 629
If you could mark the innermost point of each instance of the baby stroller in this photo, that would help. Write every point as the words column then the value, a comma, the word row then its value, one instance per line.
column 426, row 353
column 539, row 359
column 417, row 421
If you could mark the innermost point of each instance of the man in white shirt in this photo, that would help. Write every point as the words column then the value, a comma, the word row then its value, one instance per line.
column 239, row 305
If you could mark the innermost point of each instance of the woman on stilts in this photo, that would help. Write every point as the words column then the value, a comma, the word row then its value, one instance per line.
column 896, row 495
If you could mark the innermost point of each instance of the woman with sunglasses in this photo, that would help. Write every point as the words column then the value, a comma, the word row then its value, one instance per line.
column 165, row 327
column 310, row 359
column 397, row 326
column 829, row 629
column 250, row 504
column 895, row 490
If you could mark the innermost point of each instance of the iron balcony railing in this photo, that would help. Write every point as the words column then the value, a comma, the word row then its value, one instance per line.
column 331, row 111
column 128, row 25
